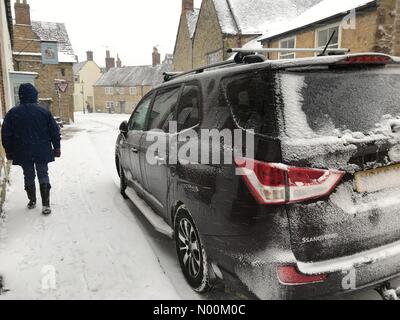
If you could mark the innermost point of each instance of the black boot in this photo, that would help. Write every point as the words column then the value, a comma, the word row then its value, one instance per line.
column 45, row 193
column 31, row 191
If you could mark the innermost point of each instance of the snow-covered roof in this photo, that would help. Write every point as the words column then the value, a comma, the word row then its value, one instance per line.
column 256, row 16
column 53, row 31
column 78, row 67
column 192, row 17
column 134, row 76
column 322, row 11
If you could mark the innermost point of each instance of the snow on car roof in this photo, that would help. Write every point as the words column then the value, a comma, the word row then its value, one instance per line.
column 255, row 17
column 54, row 31
column 320, row 12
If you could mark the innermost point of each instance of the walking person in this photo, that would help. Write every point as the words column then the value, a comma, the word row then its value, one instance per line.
column 31, row 138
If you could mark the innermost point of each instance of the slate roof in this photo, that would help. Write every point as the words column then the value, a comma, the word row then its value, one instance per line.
column 78, row 67
column 53, row 31
column 320, row 12
column 134, row 76
column 256, row 16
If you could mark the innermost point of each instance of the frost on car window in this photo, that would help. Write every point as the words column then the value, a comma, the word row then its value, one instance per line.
column 336, row 103
column 251, row 99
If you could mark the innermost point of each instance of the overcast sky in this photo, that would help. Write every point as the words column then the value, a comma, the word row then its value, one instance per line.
column 128, row 27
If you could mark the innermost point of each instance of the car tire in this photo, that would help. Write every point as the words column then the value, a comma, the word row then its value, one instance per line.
column 191, row 253
column 122, row 183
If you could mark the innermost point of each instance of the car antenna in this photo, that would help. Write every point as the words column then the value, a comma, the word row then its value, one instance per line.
column 327, row 44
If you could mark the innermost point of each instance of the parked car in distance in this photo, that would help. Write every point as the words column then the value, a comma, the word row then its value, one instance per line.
column 314, row 213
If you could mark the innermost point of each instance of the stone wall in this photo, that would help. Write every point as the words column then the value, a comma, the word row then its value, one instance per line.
column 26, row 42
column 208, row 36
column 183, row 47
column 101, row 98
column 360, row 39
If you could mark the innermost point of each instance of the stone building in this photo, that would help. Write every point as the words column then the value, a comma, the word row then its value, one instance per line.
column 45, row 48
column 120, row 89
column 359, row 25
column 86, row 73
column 184, row 38
column 205, row 35
column 6, row 64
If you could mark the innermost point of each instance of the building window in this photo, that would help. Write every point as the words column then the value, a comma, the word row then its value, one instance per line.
column 121, row 91
column 133, row 91
column 109, row 90
column 62, row 71
column 215, row 57
column 110, row 105
column 133, row 106
column 289, row 43
column 324, row 34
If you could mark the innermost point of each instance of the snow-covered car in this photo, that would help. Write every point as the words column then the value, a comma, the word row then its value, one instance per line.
column 315, row 212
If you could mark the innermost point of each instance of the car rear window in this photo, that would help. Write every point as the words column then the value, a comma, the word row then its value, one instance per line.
column 339, row 102
column 251, row 99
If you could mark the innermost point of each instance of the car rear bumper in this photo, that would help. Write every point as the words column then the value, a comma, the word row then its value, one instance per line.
column 257, row 271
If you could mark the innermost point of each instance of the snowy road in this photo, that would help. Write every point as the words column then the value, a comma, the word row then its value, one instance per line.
column 96, row 245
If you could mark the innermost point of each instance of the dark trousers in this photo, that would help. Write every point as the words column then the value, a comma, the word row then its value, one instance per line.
column 42, row 171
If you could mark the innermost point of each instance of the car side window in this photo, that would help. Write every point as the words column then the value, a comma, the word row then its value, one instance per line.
column 164, row 108
column 138, row 119
column 189, row 107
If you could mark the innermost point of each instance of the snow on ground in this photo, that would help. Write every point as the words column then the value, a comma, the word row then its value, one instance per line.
column 94, row 241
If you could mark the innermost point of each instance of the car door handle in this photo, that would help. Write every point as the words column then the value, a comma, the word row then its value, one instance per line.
column 134, row 150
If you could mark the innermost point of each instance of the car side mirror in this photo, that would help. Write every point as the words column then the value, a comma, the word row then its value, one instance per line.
column 123, row 128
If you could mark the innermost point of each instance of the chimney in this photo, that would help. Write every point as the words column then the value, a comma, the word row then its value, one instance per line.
column 110, row 62
column 22, row 13
column 89, row 55
column 187, row 5
column 156, row 57
column 119, row 62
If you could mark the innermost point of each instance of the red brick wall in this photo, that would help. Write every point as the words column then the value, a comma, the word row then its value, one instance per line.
column 22, row 13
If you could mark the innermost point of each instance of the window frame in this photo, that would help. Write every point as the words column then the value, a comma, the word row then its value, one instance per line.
column 198, row 85
column 149, row 95
column 327, row 27
column 110, row 103
column 131, row 89
column 109, row 91
column 161, row 91
column 287, row 55
column 276, row 112
column 219, row 51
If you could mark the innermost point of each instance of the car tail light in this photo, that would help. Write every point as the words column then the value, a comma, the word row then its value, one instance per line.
column 290, row 276
column 273, row 183
column 367, row 59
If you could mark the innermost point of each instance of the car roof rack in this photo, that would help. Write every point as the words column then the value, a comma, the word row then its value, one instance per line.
column 329, row 51
column 250, row 56
column 240, row 58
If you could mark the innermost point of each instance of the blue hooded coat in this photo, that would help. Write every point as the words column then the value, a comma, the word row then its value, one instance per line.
column 29, row 132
